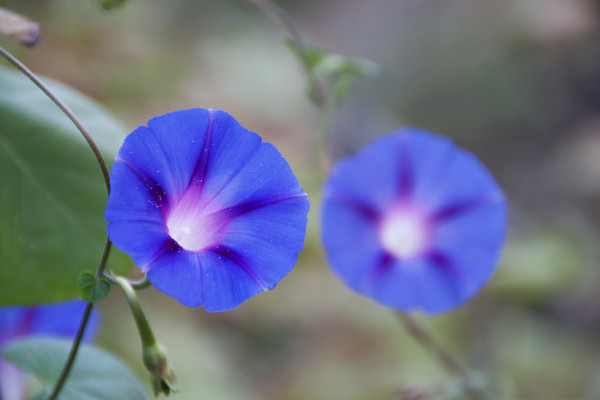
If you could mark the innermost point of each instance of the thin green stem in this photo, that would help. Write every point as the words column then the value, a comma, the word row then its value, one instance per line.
column 64, row 108
column 73, row 353
column 82, row 326
column 449, row 362
column 146, row 334
column 279, row 16
column 105, row 253
column 422, row 336
column 141, row 283
column 320, row 95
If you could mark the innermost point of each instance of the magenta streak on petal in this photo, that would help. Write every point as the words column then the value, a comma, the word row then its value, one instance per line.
column 244, row 208
column 239, row 260
column 405, row 180
column 216, row 194
column 445, row 264
column 159, row 197
column 364, row 210
column 25, row 325
column 198, row 177
column 168, row 246
column 385, row 261
column 454, row 210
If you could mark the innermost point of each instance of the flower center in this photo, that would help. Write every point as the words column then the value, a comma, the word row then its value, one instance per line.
column 192, row 225
column 404, row 233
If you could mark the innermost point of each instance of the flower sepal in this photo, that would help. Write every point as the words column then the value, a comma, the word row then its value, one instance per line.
column 162, row 377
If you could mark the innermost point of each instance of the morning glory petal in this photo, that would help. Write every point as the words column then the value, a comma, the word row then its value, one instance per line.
column 395, row 283
column 166, row 152
column 152, row 239
column 59, row 319
column 445, row 175
column 146, row 198
column 181, row 137
column 231, row 148
column 178, row 274
column 426, row 235
column 227, row 280
column 371, row 178
column 269, row 238
column 63, row 319
column 191, row 190
column 264, row 179
column 350, row 236
column 471, row 239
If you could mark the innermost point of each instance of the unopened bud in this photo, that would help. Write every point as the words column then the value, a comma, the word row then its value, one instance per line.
column 18, row 27
column 162, row 378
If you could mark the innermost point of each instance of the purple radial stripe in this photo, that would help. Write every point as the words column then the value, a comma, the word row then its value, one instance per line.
column 26, row 322
column 230, row 180
column 364, row 210
column 406, row 178
column 445, row 264
column 245, row 208
column 454, row 210
column 198, row 177
column 169, row 246
column 159, row 197
column 385, row 261
column 240, row 261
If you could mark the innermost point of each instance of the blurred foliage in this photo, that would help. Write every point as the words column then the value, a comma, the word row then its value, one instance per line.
column 52, row 192
column 112, row 4
column 331, row 73
column 517, row 82
column 44, row 358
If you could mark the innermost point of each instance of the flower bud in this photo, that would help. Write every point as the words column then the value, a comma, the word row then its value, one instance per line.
column 162, row 378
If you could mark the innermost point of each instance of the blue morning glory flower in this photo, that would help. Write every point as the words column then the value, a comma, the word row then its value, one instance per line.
column 413, row 222
column 51, row 320
column 212, row 214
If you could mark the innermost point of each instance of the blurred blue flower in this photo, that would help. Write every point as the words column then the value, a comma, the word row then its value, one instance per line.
column 51, row 320
column 209, row 211
column 413, row 222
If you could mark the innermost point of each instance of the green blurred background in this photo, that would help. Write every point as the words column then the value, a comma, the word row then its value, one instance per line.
column 515, row 81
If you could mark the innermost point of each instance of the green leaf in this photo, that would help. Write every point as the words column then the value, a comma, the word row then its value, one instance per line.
column 96, row 375
column 333, row 72
column 52, row 196
column 111, row 4
column 324, row 64
column 91, row 288
column 311, row 54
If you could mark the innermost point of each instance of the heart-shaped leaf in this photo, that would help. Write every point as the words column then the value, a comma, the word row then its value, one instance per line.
column 52, row 195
